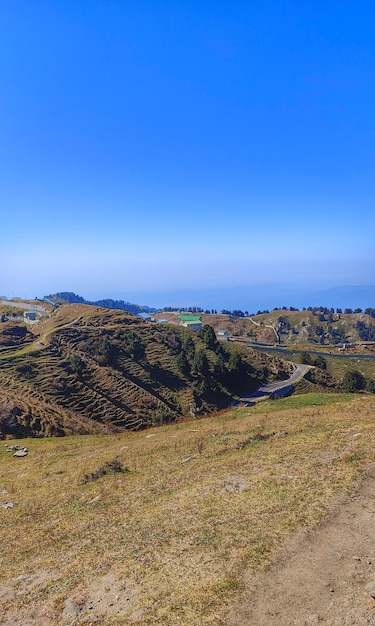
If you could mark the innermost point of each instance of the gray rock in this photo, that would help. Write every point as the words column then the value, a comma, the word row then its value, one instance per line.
column 14, row 448
column 22, row 452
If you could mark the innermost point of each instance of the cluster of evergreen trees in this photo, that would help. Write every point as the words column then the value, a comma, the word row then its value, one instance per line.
column 319, row 361
column 355, row 381
column 192, row 361
column 190, row 309
column 366, row 333
column 108, row 303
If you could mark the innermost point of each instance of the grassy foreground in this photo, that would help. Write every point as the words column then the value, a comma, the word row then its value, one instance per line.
column 197, row 504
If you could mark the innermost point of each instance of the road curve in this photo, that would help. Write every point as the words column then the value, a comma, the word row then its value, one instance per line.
column 266, row 390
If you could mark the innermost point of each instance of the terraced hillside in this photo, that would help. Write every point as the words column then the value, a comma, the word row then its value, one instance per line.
column 89, row 370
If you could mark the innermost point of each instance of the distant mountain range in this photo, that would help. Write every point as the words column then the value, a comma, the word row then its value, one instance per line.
column 247, row 298
column 361, row 296
column 260, row 297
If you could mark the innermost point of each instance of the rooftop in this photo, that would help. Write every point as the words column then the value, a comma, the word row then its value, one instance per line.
column 189, row 318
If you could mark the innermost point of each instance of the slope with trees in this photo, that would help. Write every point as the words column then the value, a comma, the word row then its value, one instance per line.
column 112, row 371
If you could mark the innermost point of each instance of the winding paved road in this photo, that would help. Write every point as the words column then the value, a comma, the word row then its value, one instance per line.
column 266, row 390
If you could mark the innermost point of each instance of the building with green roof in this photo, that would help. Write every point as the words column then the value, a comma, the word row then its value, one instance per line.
column 194, row 322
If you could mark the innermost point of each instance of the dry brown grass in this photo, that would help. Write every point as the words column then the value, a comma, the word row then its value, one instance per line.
column 202, row 502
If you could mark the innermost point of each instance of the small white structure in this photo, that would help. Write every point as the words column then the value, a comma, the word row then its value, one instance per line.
column 29, row 316
column 193, row 325
column 223, row 335
column 145, row 316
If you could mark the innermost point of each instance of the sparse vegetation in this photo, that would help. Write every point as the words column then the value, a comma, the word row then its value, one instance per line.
column 110, row 467
column 77, row 364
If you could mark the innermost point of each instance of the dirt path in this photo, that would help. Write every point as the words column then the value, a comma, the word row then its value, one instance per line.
column 40, row 342
column 266, row 326
column 319, row 577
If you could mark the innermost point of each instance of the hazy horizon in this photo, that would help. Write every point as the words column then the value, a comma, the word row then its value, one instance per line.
column 251, row 298
column 186, row 145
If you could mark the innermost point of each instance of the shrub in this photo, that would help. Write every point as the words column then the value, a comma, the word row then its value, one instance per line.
column 305, row 358
column 353, row 381
column 77, row 363
column 320, row 362
column 161, row 416
column 110, row 467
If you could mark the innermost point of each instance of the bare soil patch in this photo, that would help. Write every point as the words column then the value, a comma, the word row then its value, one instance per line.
column 107, row 597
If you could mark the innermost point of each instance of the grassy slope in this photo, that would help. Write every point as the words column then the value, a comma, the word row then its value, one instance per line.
column 203, row 501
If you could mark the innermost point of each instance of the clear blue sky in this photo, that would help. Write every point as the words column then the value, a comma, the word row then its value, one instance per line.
column 177, row 144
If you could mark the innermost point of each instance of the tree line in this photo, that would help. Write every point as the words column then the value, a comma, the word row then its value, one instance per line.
column 109, row 303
